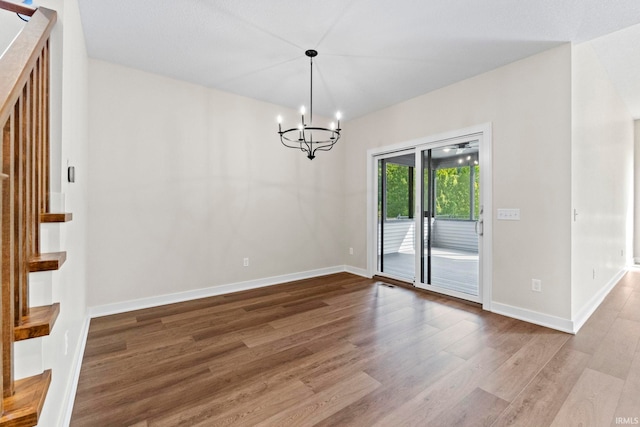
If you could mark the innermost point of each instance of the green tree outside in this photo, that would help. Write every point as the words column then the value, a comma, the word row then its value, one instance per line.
column 453, row 192
column 452, row 197
column 397, row 190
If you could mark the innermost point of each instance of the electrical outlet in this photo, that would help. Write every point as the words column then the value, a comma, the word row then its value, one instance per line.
column 594, row 273
column 536, row 285
column 350, row 251
column 245, row 262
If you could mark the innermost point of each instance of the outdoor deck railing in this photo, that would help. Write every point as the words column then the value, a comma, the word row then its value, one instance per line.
column 449, row 234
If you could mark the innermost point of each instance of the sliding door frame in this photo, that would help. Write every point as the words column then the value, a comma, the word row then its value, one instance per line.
column 422, row 283
column 376, row 189
column 481, row 132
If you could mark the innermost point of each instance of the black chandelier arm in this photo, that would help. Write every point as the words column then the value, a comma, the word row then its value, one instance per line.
column 325, row 147
column 336, row 131
column 284, row 141
column 284, row 137
column 301, row 135
column 322, row 146
column 283, row 132
column 302, row 144
column 309, row 147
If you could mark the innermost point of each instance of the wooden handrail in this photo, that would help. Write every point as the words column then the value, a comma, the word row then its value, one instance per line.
column 22, row 9
column 24, row 160
column 20, row 58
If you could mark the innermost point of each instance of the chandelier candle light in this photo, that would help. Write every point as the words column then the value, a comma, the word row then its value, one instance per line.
column 306, row 137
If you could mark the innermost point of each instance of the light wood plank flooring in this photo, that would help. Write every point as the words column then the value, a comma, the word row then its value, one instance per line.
column 346, row 351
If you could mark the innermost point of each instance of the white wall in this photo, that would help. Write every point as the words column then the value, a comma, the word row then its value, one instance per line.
column 636, row 168
column 529, row 105
column 10, row 26
column 602, row 179
column 69, row 144
column 187, row 181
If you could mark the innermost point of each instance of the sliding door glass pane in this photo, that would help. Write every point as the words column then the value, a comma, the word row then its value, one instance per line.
column 396, row 228
column 451, row 211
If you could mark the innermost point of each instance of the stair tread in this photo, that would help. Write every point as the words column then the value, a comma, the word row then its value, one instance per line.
column 49, row 217
column 38, row 323
column 47, row 261
column 24, row 407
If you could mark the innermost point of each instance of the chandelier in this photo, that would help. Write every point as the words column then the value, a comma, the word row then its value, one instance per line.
column 306, row 137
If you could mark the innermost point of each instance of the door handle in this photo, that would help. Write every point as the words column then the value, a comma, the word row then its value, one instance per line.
column 479, row 227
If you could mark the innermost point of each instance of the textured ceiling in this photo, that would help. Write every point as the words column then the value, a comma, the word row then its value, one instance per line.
column 620, row 54
column 372, row 53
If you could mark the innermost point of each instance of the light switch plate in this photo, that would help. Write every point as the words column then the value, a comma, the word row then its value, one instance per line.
column 509, row 214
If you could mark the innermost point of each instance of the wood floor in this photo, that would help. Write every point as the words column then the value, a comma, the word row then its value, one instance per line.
column 343, row 350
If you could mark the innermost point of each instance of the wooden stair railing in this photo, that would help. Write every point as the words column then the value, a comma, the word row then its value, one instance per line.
column 24, row 177
column 17, row 8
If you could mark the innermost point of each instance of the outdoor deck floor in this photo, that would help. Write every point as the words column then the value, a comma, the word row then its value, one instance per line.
column 451, row 269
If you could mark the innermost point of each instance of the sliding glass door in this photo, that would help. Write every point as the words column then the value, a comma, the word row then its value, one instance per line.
column 396, row 225
column 451, row 218
column 429, row 216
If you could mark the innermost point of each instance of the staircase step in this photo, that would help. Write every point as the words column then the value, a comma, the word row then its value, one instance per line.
column 24, row 407
column 47, row 261
column 56, row 217
column 38, row 323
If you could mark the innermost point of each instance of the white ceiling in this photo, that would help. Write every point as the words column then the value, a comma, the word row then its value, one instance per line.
column 620, row 55
column 372, row 53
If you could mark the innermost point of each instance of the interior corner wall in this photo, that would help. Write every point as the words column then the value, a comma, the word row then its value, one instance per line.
column 68, row 144
column 187, row 181
column 529, row 105
column 602, row 180
column 636, row 173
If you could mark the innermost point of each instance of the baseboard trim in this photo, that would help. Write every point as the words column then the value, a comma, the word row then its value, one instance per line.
column 125, row 306
column 76, row 367
column 542, row 319
column 357, row 271
column 592, row 305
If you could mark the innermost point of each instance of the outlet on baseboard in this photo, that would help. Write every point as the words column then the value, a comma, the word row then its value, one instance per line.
column 536, row 285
